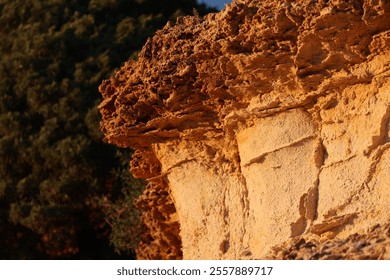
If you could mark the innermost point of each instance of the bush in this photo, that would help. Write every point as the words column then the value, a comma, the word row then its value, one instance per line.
column 63, row 192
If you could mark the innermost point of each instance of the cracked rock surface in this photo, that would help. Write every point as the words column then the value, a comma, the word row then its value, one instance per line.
column 262, row 124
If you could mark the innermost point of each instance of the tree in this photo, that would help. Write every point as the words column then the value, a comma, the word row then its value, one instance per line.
column 63, row 192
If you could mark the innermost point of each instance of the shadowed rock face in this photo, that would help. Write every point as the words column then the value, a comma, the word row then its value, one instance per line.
column 264, row 123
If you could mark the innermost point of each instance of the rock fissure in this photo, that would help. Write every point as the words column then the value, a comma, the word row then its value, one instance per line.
column 376, row 158
column 261, row 157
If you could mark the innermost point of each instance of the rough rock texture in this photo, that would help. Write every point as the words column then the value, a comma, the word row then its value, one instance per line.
column 372, row 245
column 265, row 123
column 160, row 239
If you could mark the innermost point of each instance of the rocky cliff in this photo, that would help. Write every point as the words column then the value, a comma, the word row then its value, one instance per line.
column 260, row 126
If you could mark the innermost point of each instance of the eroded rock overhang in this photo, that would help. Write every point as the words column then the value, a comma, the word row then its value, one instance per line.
column 264, row 122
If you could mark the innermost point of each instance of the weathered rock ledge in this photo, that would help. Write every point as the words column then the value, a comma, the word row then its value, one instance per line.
column 260, row 125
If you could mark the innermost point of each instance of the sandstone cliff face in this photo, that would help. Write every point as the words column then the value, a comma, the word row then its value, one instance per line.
column 264, row 123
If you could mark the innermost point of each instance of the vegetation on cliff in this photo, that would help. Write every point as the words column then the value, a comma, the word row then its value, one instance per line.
column 63, row 192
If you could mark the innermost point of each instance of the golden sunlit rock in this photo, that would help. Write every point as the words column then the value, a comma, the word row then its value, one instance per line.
column 263, row 124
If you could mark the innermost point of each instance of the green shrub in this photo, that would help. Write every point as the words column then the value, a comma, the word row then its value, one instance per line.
column 63, row 192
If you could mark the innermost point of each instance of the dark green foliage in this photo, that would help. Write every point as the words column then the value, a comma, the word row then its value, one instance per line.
column 63, row 192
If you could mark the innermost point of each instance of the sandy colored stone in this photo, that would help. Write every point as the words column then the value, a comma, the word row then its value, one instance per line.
column 374, row 244
column 259, row 126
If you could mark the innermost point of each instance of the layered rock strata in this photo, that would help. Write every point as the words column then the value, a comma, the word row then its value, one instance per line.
column 264, row 123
